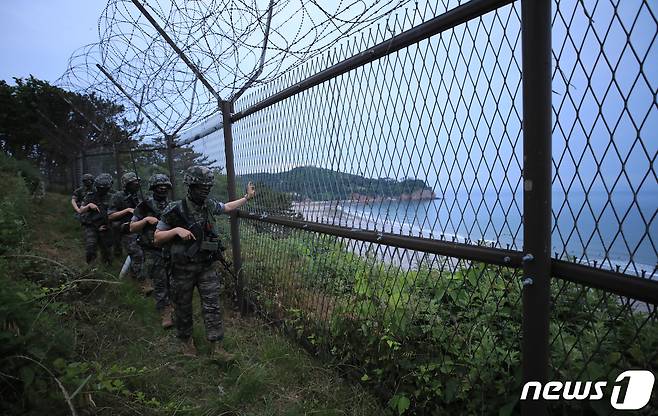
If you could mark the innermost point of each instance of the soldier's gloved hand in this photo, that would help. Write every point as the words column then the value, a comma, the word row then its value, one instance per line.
column 251, row 191
column 152, row 220
column 185, row 234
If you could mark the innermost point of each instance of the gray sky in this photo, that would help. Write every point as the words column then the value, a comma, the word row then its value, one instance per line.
column 38, row 36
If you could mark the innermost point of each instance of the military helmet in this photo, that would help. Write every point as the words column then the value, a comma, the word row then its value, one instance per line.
column 128, row 177
column 87, row 177
column 159, row 179
column 198, row 175
column 104, row 180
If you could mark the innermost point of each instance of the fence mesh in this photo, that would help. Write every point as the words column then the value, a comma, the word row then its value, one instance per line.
column 604, row 88
column 596, row 335
column 422, row 142
column 396, row 319
column 426, row 142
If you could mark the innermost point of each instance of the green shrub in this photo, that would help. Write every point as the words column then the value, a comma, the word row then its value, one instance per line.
column 14, row 205
column 445, row 340
column 29, row 334
column 22, row 168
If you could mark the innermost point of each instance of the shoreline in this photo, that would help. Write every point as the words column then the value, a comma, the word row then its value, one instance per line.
column 332, row 213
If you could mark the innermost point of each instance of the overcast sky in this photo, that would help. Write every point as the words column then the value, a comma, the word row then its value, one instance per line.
column 38, row 36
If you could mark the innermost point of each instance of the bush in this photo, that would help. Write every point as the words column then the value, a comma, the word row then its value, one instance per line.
column 14, row 204
column 12, row 168
column 440, row 340
column 29, row 334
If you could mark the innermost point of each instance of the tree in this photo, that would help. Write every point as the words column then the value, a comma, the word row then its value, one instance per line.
column 53, row 128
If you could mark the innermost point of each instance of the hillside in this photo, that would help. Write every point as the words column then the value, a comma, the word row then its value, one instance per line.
column 331, row 185
column 80, row 341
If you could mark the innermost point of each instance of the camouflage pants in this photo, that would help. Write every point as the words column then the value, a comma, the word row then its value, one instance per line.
column 182, row 283
column 95, row 240
column 134, row 250
column 155, row 268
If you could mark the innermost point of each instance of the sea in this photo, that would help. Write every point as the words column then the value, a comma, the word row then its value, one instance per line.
column 617, row 231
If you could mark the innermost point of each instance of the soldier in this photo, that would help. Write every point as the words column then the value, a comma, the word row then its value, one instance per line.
column 188, row 228
column 116, row 233
column 93, row 215
column 80, row 193
column 122, row 205
column 145, row 218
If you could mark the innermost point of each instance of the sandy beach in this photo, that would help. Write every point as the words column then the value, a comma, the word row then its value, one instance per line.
column 343, row 213
column 332, row 212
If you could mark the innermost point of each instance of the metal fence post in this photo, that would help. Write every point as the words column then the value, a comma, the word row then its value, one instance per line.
column 74, row 174
column 536, row 56
column 227, row 109
column 170, row 164
column 83, row 161
column 117, row 163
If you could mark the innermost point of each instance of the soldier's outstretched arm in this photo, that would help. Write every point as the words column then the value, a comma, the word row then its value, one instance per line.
column 138, row 225
column 88, row 207
column 164, row 236
column 119, row 214
column 233, row 205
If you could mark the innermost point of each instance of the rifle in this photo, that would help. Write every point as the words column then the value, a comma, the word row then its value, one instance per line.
column 95, row 218
column 132, row 201
column 206, row 242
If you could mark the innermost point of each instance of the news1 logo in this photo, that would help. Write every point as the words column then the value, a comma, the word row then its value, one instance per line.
column 631, row 390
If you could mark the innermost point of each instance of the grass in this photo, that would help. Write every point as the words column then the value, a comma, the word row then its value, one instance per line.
column 137, row 368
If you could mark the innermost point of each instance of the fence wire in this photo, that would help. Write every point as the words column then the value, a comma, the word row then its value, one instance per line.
column 604, row 185
column 426, row 142
column 446, row 110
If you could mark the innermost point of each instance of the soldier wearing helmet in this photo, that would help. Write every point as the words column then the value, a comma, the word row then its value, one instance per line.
column 122, row 205
column 145, row 217
column 186, row 229
column 93, row 216
column 80, row 193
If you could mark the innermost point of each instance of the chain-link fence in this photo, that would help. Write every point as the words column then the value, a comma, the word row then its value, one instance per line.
column 404, row 226
column 449, row 208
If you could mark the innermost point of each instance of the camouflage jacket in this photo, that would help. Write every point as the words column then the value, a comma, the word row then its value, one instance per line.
column 80, row 193
column 120, row 201
column 197, row 219
column 93, row 217
column 148, row 208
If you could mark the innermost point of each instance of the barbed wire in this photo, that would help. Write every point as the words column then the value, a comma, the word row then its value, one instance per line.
column 224, row 40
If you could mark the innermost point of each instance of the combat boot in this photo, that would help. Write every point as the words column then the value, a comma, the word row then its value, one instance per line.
column 166, row 317
column 219, row 353
column 146, row 287
column 188, row 348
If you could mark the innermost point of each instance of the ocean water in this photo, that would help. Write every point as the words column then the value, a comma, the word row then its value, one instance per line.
column 618, row 230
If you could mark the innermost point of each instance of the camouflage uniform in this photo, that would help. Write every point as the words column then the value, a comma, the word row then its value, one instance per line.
column 120, row 201
column 80, row 193
column 92, row 220
column 116, row 232
column 154, row 266
column 192, row 260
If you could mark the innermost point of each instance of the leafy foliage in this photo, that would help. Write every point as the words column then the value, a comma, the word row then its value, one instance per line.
column 14, row 201
column 38, row 124
column 439, row 340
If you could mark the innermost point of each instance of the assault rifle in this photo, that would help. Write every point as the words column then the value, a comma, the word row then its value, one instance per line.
column 207, row 247
column 94, row 217
column 131, row 200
